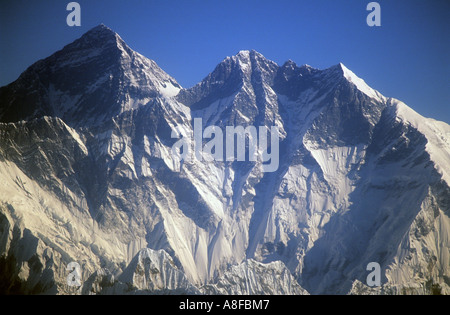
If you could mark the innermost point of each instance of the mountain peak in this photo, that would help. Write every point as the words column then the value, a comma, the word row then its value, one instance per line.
column 252, row 66
column 250, row 57
column 243, row 71
column 99, row 37
column 360, row 84
column 243, row 54
column 242, row 66
column 249, row 54
column 100, row 29
column 290, row 63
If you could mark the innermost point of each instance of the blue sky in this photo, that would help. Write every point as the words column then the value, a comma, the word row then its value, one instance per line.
column 406, row 58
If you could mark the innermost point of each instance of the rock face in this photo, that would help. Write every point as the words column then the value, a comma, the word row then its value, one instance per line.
column 150, row 272
column 154, row 272
column 88, row 175
column 255, row 278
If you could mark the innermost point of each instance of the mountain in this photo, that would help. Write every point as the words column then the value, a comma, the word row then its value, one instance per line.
column 88, row 175
column 75, row 83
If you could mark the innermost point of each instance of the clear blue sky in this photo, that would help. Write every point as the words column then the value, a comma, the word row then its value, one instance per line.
column 408, row 57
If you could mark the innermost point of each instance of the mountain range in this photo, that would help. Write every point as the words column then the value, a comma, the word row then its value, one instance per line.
column 87, row 175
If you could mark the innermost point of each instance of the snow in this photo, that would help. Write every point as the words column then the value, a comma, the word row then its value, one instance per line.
column 361, row 84
column 436, row 132
column 169, row 90
column 213, row 112
column 336, row 163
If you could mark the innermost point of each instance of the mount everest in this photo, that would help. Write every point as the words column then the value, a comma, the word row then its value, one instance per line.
column 88, row 176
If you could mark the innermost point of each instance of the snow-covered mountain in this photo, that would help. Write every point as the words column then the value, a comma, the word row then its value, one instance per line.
column 87, row 82
column 88, row 175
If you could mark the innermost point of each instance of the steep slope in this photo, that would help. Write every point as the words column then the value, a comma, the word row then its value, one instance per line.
column 395, row 185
